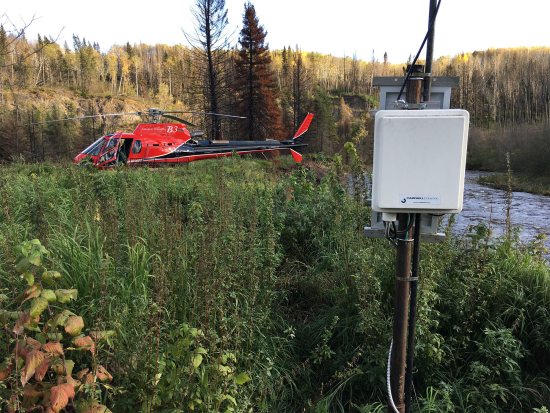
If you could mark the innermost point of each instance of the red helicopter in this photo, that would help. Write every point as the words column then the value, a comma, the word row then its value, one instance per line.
column 157, row 144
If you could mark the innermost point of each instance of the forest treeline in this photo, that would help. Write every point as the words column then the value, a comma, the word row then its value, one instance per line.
column 499, row 87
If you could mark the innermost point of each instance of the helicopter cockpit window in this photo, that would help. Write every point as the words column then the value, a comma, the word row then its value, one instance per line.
column 111, row 144
column 94, row 148
column 137, row 147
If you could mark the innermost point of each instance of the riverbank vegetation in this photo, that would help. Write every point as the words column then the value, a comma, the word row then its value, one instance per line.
column 526, row 146
column 238, row 285
column 520, row 183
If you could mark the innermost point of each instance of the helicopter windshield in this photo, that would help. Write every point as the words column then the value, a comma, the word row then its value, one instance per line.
column 94, row 148
column 111, row 144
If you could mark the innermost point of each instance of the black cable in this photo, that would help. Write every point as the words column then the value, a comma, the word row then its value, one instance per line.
column 409, row 72
column 412, row 313
column 387, row 233
column 397, row 232
column 392, row 232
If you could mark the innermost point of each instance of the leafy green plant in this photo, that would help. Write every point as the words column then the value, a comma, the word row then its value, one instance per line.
column 36, row 373
column 189, row 375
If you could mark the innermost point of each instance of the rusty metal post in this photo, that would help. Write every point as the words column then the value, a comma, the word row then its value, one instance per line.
column 414, row 85
column 400, row 316
column 402, row 285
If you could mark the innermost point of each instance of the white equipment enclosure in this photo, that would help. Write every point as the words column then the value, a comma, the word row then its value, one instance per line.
column 419, row 160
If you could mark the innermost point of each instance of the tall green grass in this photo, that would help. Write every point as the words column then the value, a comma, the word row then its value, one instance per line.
column 262, row 270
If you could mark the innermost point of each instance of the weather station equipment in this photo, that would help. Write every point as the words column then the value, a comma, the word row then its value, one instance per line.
column 419, row 160
column 419, row 163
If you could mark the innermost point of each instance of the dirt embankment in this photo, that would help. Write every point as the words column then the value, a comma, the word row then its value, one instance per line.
column 67, row 101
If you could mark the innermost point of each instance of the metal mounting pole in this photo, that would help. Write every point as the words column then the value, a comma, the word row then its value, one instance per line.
column 402, row 283
column 400, row 312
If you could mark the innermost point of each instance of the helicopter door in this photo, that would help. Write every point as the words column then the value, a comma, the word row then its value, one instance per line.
column 108, row 156
column 124, row 149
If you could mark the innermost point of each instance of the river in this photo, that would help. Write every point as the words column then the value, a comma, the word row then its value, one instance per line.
column 532, row 212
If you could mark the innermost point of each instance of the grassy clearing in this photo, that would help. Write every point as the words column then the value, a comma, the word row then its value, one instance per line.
column 262, row 270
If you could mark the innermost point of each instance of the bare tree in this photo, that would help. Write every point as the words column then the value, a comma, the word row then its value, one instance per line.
column 13, row 34
column 210, row 41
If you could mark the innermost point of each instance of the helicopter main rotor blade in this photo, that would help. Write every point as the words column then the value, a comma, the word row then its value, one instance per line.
column 205, row 113
column 178, row 119
column 84, row 117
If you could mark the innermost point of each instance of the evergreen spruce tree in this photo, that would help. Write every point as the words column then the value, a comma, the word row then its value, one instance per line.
column 255, row 84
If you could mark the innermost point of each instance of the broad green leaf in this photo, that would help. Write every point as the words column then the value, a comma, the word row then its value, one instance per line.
column 200, row 350
column 57, row 366
column 197, row 360
column 38, row 305
column 35, row 241
column 241, row 378
column 22, row 266
column 64, row 296
column 220, row 368
column 102, row 335
column 34, row 259
column 74, row 325
column 228, row 397
column 29, row 277
column 41, row 338
column 55, row 336
column 67, row 313
column 32, row 326
column 70, row 366
column 49, row 277
column 7, row 316
column 58, row 320
column 49, row 295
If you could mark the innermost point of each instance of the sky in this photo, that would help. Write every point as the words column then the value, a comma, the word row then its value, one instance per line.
column 341, row 27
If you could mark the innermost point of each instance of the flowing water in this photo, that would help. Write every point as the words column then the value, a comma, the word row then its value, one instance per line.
column 532, row 212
